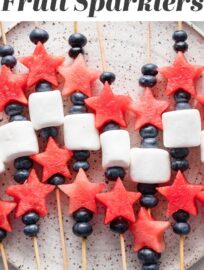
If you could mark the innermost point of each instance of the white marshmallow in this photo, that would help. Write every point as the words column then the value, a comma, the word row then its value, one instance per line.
column 182, row 128
column 115, row 145
column 80, row 132
column 149, row 165
column 46, row 109
column 202, row 146
column 18, row 139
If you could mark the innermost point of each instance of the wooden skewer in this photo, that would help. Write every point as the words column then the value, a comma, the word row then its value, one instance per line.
column 149, row 42
column 61, row 226
column 37, row 255
column 122, row 245
column 182, row 239
column 37, row 24
column 180, row 25
column 3, row 33
column 3, row 254
column 75, row 27
column 101, row 47
column 84, row 258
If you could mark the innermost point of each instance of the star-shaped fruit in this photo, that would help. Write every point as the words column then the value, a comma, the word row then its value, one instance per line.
column 54, row 160
column 31, row 196
column 148, row 232
column 78, row 77
column 12, row 87
column 82, row 193
column 149, row 110
column 119, row 202
column 181, row 195
column 42, row 66
column 5, row 209
column 181, row 75
column 109, row 107
column 200, row 196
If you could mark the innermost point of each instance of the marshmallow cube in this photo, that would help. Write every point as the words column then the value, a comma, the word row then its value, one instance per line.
column 46, row 109
column 80, row 132
column 182, row 128
column 149, row 165
column 18, row 139
column 115, row 146
column 202, row 146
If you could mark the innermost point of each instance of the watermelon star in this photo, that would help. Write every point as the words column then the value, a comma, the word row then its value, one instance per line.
column 12, row 87
column 54, row 160
column 181, row 195
column 119, row 202
column 181, row 75
column 82, row 193
column 109, row 107
column 148, row 232
column 31, row 196
column 149, row 110
column 42, row 66
column 78, row 77
column 5, row 209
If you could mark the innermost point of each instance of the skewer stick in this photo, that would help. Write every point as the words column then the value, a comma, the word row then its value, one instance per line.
column 84, row 258
column 182, row 239
column 122, row 245
column 75, row 27
column 61, row 226
column 180, row 25
column 149, row 42
column 101, row 47
column 3, row 255
column 37, row 255
column 3, row 34
column 37, row 24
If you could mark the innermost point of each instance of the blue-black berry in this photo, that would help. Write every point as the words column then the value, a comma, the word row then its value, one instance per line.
column 77, row 109
column 78, row 98
column 113, row 173
column 39, row 35
column 74, row 52
column 149, row 143
column 146, row 189
column 111, row 126
column 23, row 163
column 17, row 117
column 31, row 230
column 82, row 229
column 21, row 176
column 148, row 256
column 107, row 77
column 82, row 155
column 9, row 61
column 148, row 131
column 180, row 35
column 77, row 40
column 83, row 215
column 179, row 165
column 13, row 109
column 181, row 96
column 56, row 180
column 81, row 165
column 181, row 228
column 149, row 201
column 179, row 153
column 45, row 133
column 6, row 50
column 147, row 81
column 43, row 86
column 150, row 69
column 30, row 218
column 119, row 225
column 181, row 216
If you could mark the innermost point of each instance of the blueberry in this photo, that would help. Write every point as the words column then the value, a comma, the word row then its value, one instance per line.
column 148, row 131
column 182, row 106
column 56, row 180
column 181, row 96
column 181, row 228
column 3, row 234
column 78, row 109
column 107, row 77
column 20, row 176
column 111, row 126
column 82, row 229
column 82, row 155
column 9, row 61
column 81, row 165
column 149, row 201
column 83, row 215
column 23, row 163
column 45, row 133
column 112, row 173
column 179, row 153
column 74, row 52
column 77, row 40
column 180, row 46
column 147, row 189
column 13, row 109
column 17, row 117
column 181, row 216
column 78, row 98
column 150, row 69
column 148, row 256
column 179, row 165
column 43, row 86
column 149, row 143
column 147, row 81
column 31, row 230
column 39, row 35
column 30, row 218
column 180, row 35
column 119, row 225
column 6, row 50
column 150, row 267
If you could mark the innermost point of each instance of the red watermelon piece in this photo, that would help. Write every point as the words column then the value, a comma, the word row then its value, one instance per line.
column 119, row 202
column 148, row 232
column 30, row 196
column 5, row 209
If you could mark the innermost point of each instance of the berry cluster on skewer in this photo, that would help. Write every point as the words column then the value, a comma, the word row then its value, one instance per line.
column 149, row 167
column 182, row 130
